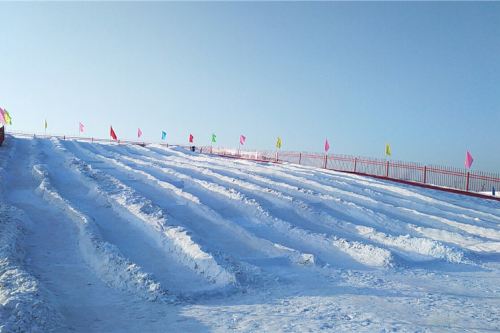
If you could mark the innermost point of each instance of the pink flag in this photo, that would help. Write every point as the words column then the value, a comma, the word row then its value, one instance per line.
column 242, row 139
column 468, row 160
column 327, row 145
column 139, row 132
column 2, row 118
column 81, row 127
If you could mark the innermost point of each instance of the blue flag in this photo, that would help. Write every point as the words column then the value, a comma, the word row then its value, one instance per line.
column 163, row 135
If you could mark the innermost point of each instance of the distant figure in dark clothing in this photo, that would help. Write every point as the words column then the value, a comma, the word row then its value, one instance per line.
column 2, row 134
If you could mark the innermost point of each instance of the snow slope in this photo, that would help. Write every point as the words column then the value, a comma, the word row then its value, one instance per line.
column 120, row 238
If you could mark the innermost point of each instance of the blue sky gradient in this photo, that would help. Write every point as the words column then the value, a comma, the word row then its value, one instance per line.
column 424, row 77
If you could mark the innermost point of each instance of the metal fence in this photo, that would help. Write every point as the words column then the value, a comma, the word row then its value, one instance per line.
column 447, row 177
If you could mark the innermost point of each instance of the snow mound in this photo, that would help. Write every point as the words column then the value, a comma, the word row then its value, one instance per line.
column 150, row 217
column 103, row 257
column 23, row 306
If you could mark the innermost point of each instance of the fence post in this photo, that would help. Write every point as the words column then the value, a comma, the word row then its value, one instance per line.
column 467, row 182
column 355, row 163
column 201, row 150
column 277, row 159
column 387, row 169
column 425, row 174
column 300, row 158
column 326, row 159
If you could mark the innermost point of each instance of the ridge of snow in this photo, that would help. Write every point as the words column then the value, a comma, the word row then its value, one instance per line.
column 102, row 256
column 172, row 239
column 423, row 246
column 364, row 253
column 262, row 245
column 23, row 306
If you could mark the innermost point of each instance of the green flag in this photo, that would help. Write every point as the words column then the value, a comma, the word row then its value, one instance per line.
column 214, row 138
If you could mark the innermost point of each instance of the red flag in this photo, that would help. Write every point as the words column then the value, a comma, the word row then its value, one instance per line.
column 191, row 138
column 327, row 145
column 112, row 133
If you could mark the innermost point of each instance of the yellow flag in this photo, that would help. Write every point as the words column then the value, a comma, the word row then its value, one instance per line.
column 45, row 123
column 7, row 117
column 388, row 149
column 278, row 143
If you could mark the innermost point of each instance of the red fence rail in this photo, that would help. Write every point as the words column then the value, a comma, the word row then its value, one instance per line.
column 408, row 172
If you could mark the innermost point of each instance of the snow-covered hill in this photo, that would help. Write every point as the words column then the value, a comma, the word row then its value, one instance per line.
column 119, row 238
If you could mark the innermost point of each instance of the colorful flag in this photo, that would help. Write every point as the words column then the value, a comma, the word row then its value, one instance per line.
column 191, row 138
column 81, row 127
column 163, row 135
column 327, row 145
column 139, row 132
column 388, row 149
column 112, row 133
column 242, row 139
column 7, row 118
column 214, row 138
column 278, row 143
column 2, row 117
column 468, row 160
column 45, row 123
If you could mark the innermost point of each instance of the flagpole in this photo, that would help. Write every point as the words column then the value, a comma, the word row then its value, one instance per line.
column 276, row 151
column 388, row 154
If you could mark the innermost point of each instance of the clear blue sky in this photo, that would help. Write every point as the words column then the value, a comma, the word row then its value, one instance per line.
column 424, row 77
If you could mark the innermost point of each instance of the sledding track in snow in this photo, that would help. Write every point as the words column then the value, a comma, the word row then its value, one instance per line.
column 130, row 238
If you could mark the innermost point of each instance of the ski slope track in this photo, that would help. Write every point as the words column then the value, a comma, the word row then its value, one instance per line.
column 121, row 238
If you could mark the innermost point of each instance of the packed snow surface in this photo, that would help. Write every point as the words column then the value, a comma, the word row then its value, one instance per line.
column 121, row 238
